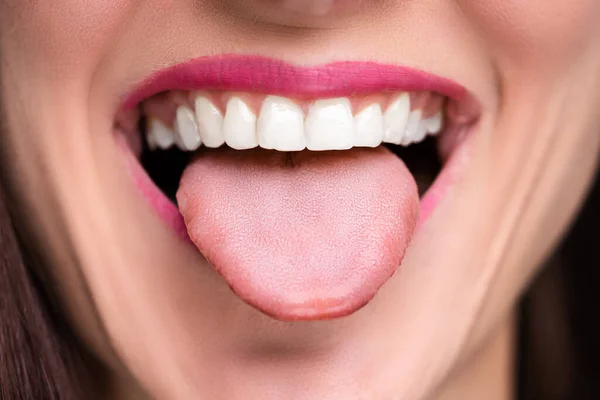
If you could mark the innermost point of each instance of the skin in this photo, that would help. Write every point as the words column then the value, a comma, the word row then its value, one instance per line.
column 159, row 319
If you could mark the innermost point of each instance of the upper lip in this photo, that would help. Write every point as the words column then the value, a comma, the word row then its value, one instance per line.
column 250, row 73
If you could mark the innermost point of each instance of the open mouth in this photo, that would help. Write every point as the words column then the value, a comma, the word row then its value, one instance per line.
column 301, row 186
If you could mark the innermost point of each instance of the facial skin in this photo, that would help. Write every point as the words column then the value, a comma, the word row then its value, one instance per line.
column 147, row 304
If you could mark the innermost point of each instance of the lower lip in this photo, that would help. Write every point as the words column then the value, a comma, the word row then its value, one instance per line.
column 170, row 214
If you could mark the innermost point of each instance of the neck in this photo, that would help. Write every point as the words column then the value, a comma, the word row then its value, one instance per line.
column 488, row 374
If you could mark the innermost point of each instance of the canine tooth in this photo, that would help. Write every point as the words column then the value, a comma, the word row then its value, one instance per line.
column 186, row 128
column 330, row 125
column 210, row 122
column 395, row 119
column 369, row 127
column 281, row 125
column 412, row 127
column 434, row 124
column 160, row 135
column 239, row 126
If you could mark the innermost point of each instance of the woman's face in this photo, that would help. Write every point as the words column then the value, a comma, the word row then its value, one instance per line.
column 297, row 236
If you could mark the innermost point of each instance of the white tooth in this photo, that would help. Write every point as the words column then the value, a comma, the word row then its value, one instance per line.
column 434, row 124
column 210, row 122
column 150, row 136
column 395, row 119
column 161, row 135
column 281, row 125
column 421, row 132
column 186, row 127
column 412, row 128
column 369, row 127
column 239, row 127
column 330, row 125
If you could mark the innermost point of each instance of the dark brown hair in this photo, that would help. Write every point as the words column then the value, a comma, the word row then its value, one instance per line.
column 40, row 357
column 558, row 355
column 559, row 349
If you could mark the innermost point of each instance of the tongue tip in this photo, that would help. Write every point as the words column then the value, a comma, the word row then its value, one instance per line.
column 321, row 300
column 311, row 314
column 314, row 309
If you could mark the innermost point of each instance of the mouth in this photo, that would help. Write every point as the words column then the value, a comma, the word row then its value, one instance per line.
column 301, row 186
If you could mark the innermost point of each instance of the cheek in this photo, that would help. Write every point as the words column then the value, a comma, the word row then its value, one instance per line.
column 62, row 33
column 537, row 33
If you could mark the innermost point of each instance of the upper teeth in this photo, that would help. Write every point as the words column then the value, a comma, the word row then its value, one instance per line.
column 162, row 136
column 330, row 125
column 186, row 129
column 282, row 125
column 239, row 128
column 210, row 122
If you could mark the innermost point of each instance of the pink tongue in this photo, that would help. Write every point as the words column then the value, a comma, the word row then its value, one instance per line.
column 301, row 236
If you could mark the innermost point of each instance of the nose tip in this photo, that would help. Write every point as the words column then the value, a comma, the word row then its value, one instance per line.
column 319, row 7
